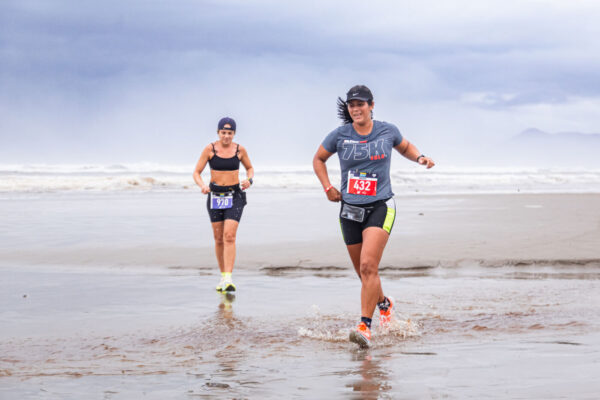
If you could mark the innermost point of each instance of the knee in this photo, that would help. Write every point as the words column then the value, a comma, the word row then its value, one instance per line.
column 218, row 235
column 219, row 239
column 229, row 237
column 368, row 268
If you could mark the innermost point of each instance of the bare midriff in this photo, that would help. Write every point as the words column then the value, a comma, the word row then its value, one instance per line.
column 225, row 178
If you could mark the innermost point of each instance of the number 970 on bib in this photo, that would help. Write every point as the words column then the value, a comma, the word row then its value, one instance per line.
column 362, row 183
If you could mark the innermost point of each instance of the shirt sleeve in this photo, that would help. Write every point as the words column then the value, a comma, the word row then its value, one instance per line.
column 330, row 142
column 396, row 135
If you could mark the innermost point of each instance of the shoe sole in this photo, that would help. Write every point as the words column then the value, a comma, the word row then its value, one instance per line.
column 359, row 339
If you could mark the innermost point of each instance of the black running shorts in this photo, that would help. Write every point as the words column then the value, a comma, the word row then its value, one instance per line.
column 381, row 214
column 235, row 212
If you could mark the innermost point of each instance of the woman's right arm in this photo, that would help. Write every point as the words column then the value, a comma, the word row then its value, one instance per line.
column 199, row 168
column 321, row 156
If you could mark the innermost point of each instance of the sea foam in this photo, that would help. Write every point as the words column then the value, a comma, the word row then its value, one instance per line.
column 40, row 178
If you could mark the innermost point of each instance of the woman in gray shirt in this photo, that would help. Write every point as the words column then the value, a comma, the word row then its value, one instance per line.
column 367, row 213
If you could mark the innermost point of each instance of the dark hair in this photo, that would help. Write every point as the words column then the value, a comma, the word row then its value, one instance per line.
column 344, row 114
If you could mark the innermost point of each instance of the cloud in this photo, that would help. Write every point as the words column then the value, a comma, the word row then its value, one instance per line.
column 463, row 43
column 147, row 79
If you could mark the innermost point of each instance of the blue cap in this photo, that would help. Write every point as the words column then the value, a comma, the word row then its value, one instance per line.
column 226, row 120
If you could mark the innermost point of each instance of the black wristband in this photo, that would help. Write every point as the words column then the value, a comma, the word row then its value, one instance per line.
column 418, row 158
column 250, row 180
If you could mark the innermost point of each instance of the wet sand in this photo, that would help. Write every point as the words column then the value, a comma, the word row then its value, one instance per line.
column 298, row 228
column 113, row 297
column 506, row 332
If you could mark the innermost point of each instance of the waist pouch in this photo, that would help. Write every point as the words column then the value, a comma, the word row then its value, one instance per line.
column 353, row 213
column 359, row 213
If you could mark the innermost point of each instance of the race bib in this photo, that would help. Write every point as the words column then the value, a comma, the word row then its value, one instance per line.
column 362, row 183
column 220, row 201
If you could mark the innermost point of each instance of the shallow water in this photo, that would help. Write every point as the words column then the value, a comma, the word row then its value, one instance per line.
column 500, row 332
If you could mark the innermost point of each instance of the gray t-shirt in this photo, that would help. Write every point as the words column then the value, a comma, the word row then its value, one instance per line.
column 370, row 154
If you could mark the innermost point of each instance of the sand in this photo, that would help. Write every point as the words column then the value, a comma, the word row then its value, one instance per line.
column 445, row 230
column 113, row 297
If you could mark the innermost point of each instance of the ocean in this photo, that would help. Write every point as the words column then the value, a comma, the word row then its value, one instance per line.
column 144, row 177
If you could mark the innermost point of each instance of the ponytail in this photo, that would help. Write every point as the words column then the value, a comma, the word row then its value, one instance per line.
column 343, row 112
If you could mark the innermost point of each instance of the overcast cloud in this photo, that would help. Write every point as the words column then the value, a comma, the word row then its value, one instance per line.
column 131, row 81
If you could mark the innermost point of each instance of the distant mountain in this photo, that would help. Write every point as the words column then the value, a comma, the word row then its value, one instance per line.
column 537, row 148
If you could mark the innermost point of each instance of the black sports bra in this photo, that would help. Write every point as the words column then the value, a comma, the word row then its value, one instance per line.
column 224, row 164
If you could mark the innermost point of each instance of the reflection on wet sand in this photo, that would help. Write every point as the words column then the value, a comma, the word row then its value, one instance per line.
column 373, row 381
column 229, row 351
column 225, row 309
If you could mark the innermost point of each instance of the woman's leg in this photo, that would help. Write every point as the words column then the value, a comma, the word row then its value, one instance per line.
column 219, row 245
column 229, row 232
column 374, row 241
column 354, row 252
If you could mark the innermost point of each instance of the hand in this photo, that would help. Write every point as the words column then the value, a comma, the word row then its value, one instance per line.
column 334, row 195
column 205, row 189
column 245, row 184
column 426, row 161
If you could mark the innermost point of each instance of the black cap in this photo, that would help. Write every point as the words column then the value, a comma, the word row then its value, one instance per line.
column 359, row 92
column 224, row 121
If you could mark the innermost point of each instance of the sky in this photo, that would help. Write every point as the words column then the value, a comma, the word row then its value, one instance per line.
column 147, row 81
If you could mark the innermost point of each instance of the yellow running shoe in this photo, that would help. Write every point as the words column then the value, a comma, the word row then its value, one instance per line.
column 385, row 317
column 228, row 285
column 361, row 335
column 221, row 285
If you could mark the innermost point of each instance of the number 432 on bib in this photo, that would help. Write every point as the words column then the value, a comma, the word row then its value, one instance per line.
column 362, row 183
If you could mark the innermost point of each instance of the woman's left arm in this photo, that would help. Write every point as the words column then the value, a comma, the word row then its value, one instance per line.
column 245, row 160
column 411, row 152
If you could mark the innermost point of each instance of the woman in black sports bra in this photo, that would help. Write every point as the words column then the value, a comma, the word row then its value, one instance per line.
column 226, row 195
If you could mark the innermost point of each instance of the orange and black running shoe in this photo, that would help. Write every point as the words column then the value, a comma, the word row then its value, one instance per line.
column 385, row 316
column 361, row 335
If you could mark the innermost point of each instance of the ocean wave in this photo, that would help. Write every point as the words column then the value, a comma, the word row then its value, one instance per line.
column 74, row 169
column 40, row 178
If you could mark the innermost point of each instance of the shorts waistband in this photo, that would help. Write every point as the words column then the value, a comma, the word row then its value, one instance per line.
column 220, row 189
column 367, row 205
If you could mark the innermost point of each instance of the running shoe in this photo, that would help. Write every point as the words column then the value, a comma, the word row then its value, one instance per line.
column 228, row 286
column 385, row 317
column 361, row 335
column 221, row 285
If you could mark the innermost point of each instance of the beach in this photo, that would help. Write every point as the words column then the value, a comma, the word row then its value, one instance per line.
column 116, row 115
column 289, row 228
column 111, row 295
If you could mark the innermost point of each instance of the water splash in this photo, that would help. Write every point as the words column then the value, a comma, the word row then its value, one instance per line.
column 335, row 328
